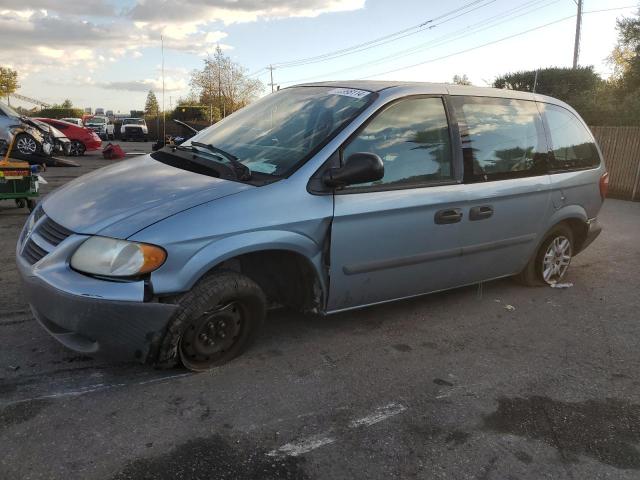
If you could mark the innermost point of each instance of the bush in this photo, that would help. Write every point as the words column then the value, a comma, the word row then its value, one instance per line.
column 59, row 112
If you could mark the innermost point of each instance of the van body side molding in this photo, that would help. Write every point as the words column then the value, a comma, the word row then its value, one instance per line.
column 441, row 254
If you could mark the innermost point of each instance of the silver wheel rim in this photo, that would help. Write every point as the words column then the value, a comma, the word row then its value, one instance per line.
column 556, row 260
column 75, row 148
column 27, row 145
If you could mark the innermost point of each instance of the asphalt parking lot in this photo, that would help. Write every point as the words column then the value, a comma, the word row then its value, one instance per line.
column 497, row 382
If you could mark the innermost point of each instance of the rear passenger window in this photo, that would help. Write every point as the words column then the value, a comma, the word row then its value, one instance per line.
column 501, row 138
column 412, row 138
column 572, row 144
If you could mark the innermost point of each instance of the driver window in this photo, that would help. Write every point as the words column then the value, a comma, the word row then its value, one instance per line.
column 412, row 139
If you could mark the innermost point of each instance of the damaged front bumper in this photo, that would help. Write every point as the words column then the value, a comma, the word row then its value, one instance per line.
column 86, row 314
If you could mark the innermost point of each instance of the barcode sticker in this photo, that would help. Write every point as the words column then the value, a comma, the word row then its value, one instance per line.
column 349, row 92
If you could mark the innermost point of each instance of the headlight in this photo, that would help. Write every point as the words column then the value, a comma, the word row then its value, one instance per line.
column 117, row 258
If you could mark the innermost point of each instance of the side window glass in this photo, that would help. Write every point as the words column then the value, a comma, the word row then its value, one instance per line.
column 501, row 138
column 412, row 139
column 573, row 146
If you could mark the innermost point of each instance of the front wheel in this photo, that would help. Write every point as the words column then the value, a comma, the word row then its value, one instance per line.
column 216, row 321
column 26, row 144
column 551, row 262
column 77, row 148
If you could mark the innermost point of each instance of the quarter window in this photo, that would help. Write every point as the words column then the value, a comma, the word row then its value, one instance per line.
column 501, row 138
column 412, row 139
column 573, row 145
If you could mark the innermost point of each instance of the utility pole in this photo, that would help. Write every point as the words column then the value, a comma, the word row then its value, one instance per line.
column 271, row 72
column 576, row 48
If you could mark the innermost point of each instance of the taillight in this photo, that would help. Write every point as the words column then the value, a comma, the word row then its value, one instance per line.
column 604, row 185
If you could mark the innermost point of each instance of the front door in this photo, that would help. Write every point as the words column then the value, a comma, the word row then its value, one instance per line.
column 399, row 236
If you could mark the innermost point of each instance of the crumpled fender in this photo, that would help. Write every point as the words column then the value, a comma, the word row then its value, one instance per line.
column 219, row 250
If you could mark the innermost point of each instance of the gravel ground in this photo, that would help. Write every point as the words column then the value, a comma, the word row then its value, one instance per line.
column 453, row 385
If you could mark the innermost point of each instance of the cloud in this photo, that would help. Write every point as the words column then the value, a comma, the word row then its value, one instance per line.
column 67, row 7
column 171, row 84
column 202, row 11
column 68, row 36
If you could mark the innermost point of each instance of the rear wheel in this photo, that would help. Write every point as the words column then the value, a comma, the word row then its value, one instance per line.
column 551, row 261
column 216, row 322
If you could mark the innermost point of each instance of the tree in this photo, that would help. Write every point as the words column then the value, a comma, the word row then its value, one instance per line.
column 67, row 104
column 461, row 80
column 224, row 84
column 562, row 83
column 151, row 106
column 8, row 81
column 626, row 54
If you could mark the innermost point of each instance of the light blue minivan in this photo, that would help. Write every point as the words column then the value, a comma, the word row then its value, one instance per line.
column 322, row 197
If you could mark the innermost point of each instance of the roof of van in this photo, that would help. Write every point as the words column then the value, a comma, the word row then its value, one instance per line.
column 434, row 88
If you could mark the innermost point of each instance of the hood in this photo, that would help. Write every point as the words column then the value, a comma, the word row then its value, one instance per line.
column 121, row 199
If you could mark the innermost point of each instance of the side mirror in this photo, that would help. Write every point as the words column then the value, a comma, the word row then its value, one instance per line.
column 360, row 167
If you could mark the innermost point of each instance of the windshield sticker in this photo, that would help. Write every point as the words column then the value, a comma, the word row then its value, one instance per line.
column 261, row 167
column 349, row 92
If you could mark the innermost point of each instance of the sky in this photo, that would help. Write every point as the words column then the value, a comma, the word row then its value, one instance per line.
column 107, row 53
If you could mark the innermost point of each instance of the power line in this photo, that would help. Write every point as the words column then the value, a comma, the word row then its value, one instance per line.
column 426, row 25
column 470, row 49
column 473, row 48
column 444, row 39
column 490, row 43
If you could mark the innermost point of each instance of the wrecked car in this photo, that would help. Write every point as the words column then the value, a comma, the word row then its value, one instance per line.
column 61, row 144
column 322, row 197
column 30, row 141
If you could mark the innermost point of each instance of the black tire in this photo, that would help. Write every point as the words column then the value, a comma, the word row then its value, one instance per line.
column 216, row 321
column 76, row 148
column 21, row 203
column 533, row 275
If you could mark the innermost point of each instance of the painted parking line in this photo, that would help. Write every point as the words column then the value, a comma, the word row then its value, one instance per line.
column 307, row 444
column 304, row 445
column 98, row 387
column 380, row 415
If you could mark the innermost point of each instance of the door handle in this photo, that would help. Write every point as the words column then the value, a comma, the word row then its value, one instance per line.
column 449, row 215
column 480, row 213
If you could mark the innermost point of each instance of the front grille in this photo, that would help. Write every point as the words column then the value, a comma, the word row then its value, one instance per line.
column 38, row 213
column 46, row 229
column 52, row 232
column 32, row 252
column 133, row 130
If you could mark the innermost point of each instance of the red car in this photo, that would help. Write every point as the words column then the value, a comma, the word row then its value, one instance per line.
column 82, row 138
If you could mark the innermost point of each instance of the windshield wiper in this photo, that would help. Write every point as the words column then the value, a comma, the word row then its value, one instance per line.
column 241, row 170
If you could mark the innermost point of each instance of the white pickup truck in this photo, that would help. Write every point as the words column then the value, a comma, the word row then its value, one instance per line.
column 103, row 126
column 134, row 129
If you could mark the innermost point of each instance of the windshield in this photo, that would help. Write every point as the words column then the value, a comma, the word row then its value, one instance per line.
column 133, row 121
column 96, row 120
column 276, row 133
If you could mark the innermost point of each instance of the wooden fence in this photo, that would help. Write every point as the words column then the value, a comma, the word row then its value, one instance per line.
column 621, row 149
